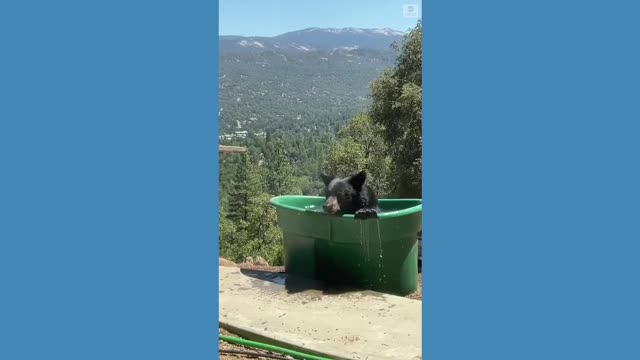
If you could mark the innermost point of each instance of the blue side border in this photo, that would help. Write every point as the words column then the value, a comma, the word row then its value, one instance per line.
column 216, row 170
column 425, row 199
column 531, row 126
column 108, row 180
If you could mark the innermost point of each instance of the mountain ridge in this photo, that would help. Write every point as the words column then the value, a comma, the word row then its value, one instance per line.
column 325, row 29
column 306, row 80
column 313, row 39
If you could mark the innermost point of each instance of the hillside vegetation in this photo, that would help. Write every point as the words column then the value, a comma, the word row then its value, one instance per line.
column 270, row 91
column 339, row 111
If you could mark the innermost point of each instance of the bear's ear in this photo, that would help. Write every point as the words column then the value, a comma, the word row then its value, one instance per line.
column 358, row 180
column 326, row 179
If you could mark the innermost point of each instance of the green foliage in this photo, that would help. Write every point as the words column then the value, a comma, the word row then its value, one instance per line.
column 232, row 239
column 245, row 186
column 345, row 158
column 360, row 146
column 248, row 223
column 280, row 172
column 397, row 106
column 305, row 150
column 264, row 238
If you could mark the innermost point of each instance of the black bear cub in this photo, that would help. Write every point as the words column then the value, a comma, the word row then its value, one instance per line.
column 350, row 195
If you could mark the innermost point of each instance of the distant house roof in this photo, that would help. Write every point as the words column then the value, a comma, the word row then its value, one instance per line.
column 223, row 149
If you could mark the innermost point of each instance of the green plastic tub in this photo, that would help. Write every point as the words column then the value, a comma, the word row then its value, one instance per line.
column 376, row 254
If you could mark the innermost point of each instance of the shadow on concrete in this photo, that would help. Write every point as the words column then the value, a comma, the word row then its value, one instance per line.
column 274, row 277
column 296, row 284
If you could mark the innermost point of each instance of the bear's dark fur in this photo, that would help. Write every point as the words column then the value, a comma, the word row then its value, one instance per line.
column 350, row 195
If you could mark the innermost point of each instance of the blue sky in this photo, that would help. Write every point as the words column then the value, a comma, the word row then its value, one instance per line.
column 274, row 17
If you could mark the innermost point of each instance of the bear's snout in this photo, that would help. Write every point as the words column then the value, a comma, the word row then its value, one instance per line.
column 331, row 205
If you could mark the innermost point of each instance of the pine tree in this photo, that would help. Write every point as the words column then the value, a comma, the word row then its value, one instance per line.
column 264, row 237
column 280, row 172
column 246, row 185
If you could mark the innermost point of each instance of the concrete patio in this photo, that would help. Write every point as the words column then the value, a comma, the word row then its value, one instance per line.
column 309, row 317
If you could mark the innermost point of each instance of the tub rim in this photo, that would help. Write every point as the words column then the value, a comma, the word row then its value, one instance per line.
column 275, row 201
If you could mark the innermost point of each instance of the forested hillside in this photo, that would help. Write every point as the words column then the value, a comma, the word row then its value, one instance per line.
column 274, row 91
column 308, row 102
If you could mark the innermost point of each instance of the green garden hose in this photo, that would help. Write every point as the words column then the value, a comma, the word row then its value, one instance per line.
column 277, row 349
